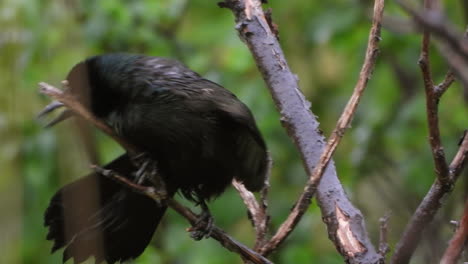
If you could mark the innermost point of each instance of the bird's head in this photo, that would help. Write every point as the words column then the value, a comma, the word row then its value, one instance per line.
column 97, row 84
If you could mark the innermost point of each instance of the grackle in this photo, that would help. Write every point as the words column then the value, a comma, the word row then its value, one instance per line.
column 198, row 133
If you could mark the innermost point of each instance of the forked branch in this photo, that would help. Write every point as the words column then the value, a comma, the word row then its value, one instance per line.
column 259, row 33
column 342, row 125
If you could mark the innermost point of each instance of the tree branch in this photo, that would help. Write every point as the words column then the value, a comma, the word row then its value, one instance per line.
column 257, row 215
column 429, row 207
column 340, row 216
column 458, row 242
column 432, row 101
column 445, row 84
column 217, row 233
column 383, row 236
column 72, row 104
column 454, row 50
column 343, row 123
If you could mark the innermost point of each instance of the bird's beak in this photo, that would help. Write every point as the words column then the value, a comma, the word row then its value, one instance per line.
column 49, row 109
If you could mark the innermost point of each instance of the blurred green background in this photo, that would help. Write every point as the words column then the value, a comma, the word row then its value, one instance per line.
column 384, row 161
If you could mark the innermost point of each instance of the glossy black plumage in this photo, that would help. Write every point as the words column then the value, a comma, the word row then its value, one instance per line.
column 199, row 133
column 118, row 225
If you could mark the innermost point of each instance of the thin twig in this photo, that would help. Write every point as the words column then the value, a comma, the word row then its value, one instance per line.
column 258, row 211
column 383, row 241
column 432, row 101
column 343, row 123
column 217, row 233
column 445, row 84
column 429, row 207
column 458, row 242
column 460, row 158
column 264, row 206
column 257, row 215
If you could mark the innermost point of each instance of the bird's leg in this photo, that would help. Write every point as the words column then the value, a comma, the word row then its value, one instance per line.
column 146, row 167
column 204, row 224
column 148, row 173
column 141, row 173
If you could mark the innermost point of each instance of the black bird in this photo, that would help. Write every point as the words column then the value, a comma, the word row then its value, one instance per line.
column 199, row 134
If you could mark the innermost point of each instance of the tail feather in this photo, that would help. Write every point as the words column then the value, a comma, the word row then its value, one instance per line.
column 96, row 216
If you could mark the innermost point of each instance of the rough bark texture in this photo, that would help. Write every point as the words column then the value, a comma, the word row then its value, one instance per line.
column 302, row 126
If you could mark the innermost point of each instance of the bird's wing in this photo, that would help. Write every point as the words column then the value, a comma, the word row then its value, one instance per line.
column 251, row 148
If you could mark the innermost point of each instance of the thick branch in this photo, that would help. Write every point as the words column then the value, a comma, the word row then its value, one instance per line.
column 429, row 207
column 343, row 123
column 458, row 242
column 217, row 233
column 302, row 126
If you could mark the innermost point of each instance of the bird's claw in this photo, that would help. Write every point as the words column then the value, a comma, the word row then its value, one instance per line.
column 203, row 227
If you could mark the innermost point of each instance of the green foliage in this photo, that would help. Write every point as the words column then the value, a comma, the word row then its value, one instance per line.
column 384, row 161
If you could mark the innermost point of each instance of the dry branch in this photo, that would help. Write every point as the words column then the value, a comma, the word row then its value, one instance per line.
column 257, row 213
column 217, row 233
column 458, row 242
column 429, row 207
column 72, row 104
column 340, row 216
column 453, row 48
column 383, row 236
column 432, row 101
column 354, row 247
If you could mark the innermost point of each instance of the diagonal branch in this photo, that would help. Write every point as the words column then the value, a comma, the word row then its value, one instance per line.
column 340, row 216
column 458, row 242
column 453, row 48
column 429, row 207
column 445, row 84
column 72, row 104
column 218, row 234
column 258, row 212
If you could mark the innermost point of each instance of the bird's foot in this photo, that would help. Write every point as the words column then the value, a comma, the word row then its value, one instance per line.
column 204, row 224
